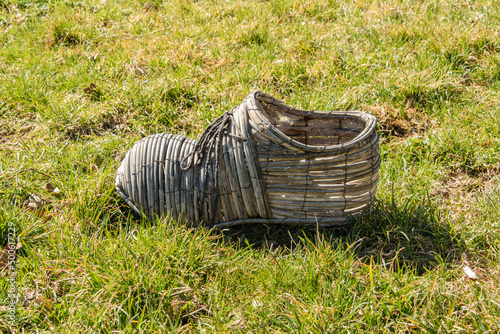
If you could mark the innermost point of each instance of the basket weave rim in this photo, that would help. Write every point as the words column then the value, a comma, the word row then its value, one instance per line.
column 370, row 123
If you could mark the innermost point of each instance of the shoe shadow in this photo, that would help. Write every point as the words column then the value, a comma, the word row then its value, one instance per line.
column 400, row 236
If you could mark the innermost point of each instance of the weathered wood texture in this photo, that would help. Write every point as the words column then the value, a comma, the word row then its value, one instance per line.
column 264, row 162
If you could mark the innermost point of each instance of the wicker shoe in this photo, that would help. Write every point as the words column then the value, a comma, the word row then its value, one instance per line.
column 263, row 162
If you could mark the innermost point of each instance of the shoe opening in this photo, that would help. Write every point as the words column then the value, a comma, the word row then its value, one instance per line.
column 313, row 128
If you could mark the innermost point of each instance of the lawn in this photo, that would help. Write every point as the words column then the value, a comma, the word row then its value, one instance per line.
column 81, row 81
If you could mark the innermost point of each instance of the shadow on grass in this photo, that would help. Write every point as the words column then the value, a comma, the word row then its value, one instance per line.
column 407, row 236
column 410, row 235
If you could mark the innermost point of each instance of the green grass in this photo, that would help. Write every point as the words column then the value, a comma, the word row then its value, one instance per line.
column 81, row 81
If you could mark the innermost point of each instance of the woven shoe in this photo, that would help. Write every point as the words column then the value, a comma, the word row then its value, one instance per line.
column 263, row 162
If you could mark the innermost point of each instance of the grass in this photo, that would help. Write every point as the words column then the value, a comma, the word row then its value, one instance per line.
column 81, row 81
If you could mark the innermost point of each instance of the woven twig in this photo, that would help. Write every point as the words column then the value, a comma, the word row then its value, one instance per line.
column 262, row 162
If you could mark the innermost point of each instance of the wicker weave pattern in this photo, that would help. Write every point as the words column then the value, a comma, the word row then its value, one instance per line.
column 276, row 165
column 151, row 180
column 323, row 174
